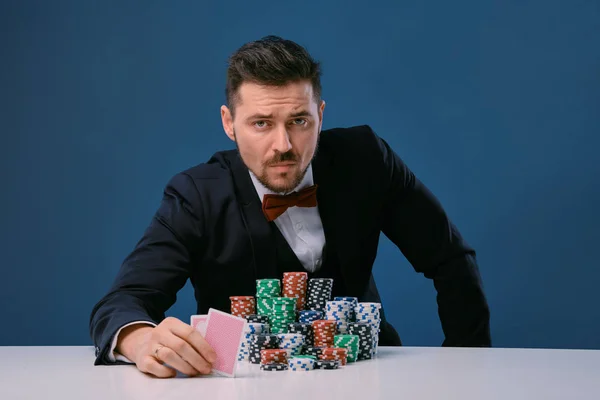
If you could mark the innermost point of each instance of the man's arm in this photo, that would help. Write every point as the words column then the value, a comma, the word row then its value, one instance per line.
column 159, row 266
column 415, row 221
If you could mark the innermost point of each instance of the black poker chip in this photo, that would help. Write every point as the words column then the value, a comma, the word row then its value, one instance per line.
column 313, row 351
column 318, row 293
column 274, row 367
column 257, row 319
column 327, row 364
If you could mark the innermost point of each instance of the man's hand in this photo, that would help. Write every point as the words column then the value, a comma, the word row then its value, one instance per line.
column 172, row 342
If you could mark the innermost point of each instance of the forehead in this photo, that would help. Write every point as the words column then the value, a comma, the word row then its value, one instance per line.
column 253, row 97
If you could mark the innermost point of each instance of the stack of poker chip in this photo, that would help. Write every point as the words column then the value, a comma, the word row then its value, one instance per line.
column 292, row 343
column 273, row 356
column 283, row 313
column 259, row 343
column 313, row 351
column 258, row 319
column 242, row 306
column 251, row 329
column 327, row 364
column 353, row 300
column 295, row 285
column 318, row 293
column 305, row 329
column 308, row 316
column 324, row 331
column 365, row 334
column 334, row 353
column 340, row 311
column 302, row 363
column 266, row 290
column 369, row 313
column 349, row 342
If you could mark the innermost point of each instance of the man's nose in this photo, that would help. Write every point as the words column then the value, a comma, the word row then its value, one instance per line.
column 282, row 141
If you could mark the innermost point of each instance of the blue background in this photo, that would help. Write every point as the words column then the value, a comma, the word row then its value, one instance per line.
column 495, row 105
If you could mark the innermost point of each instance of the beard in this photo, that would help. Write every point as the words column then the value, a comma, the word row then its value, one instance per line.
column 292, row 178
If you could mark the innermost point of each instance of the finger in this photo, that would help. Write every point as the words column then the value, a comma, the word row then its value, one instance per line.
column 193, row 337
column 168, row 356
column 152, row 366
column 187, row 353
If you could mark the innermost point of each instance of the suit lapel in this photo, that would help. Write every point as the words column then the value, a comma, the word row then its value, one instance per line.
column 264, row 252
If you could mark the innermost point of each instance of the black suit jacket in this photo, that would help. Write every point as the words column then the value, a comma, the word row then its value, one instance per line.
column 210, row 229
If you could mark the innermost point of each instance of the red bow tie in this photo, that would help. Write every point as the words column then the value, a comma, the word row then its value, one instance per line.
column 276, row 204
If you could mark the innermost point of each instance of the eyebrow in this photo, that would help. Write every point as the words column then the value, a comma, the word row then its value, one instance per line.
column 301, row 113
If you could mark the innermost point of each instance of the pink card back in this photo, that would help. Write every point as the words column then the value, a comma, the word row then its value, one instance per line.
column 224, row 333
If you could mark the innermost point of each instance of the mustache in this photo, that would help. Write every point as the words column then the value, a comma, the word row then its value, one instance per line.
column 288, row 156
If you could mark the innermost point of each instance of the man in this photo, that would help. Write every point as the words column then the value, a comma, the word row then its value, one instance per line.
column 219, row 226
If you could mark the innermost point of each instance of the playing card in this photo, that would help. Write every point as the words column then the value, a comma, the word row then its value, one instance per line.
column 224, row 333
column 198, row 322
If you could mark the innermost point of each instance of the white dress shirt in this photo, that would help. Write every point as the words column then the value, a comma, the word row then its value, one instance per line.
column 300, row 226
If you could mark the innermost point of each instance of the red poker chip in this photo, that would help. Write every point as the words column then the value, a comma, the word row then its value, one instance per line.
column 242, row 306
column 273, row 356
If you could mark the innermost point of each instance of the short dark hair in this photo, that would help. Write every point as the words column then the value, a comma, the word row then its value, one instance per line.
column 271, row 61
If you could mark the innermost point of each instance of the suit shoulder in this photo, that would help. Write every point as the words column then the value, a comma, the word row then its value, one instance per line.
column 349, row 140
column 204, row 175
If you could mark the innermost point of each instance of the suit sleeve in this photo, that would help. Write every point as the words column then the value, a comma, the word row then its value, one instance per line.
column 158, row 267
column 416, row 223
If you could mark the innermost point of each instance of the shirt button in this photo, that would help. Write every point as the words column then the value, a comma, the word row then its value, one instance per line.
column 318, row 262
column 298, row 226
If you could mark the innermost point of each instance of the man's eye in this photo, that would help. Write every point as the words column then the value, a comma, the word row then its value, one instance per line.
column 299, row 121
column 260, row 124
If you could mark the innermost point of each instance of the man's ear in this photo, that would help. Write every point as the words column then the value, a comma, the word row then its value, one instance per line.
column 227, row 121
column 321, row 109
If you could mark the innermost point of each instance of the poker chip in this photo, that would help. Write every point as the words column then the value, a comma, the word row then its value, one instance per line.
column 318, row 293
column 349, row 342
column 250, row 330
column 264, row 306
column 324, row 332
column 304, row 329
column 326, row 364
column 274, row 367
column 295, row 286
column 292, row 343
column 259, row 342
column 283, row 313
column 255, row 318
column 308, row 316
column 242, row 306
column 303, row 356
column 273, row 356
column 369, row 313
column 293, row 324
column 313, row 351
column 341, row 311
column 301, row 363
column 268, row 288
column 353, row 300
column 365, row 334
column 334, row 353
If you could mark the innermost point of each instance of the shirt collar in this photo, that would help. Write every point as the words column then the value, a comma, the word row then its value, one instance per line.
column 262, row 190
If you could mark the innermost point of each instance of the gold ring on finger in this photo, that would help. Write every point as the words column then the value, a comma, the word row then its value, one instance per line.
column 156, row 352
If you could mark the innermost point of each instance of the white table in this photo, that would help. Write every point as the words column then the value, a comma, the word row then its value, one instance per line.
column 397, row 373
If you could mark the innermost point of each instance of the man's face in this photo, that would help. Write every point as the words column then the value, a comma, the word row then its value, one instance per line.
column 276, row 130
